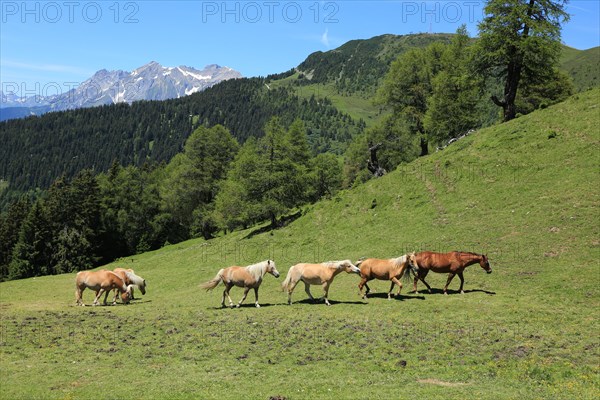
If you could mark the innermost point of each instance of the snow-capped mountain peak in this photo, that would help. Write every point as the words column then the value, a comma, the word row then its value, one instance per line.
column 151, row 81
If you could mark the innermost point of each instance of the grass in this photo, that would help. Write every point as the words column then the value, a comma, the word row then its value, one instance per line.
column 583, row 66
column 355, row 105
column 524, row 192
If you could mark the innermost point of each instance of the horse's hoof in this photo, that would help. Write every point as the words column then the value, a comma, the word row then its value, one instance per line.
column 237, row 306
column 257, row 305
column 462, row 292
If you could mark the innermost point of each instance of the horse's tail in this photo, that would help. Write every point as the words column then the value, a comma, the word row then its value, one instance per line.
column 286, row 282
column 210, row 285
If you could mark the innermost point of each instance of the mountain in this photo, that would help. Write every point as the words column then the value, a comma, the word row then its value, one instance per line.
column 583, row 66
column 149, row 82
column 330, row 91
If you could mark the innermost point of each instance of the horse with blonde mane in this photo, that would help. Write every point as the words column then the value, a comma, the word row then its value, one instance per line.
column 453, row 263
column 100, row 282
column 249, row 277
column 316, row 274
column 391, row 269
column 131, row 280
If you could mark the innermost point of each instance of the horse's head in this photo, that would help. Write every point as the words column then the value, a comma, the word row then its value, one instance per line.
column 272, row 269
column 126, row 296
column 143, row 287
column 350, row 268
column 412, row 262
column 485, row 264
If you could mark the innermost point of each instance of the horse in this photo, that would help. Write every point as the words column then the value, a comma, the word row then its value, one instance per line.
column 453, row 263
column 316, row 274
column 100, row 282
column 131, row 280
column 387, row 270
column 249, row 277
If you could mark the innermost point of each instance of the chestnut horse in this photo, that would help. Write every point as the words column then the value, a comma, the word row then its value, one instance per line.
column 100, row 282
column 391, row 269
column 131, row 280
column 249, row 277
column 453, row 263
column 316, row 274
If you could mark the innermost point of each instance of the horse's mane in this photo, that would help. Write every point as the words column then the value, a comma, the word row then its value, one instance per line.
column 139, row 281
column 335, row 264
column 399, row 260
column 469, row 253
column 258, row 270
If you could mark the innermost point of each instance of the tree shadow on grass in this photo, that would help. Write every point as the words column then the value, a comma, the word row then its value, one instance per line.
column 282, row 222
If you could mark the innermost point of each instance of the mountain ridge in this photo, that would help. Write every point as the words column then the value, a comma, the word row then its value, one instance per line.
column 151, row 81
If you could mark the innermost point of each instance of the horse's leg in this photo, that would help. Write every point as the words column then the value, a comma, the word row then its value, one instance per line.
column 78, row 297
column 246, row 290
column 116, row 291
column 326, row 291
column 395, row 281
column 291, row 287
column 462, row 281
column 368, row 290
column 223, row 299
column 307, row 290
column 98, row 295
column 450, row 277
column 227, row 289
column 256, row 297
column 422, row 278
column 363, row 283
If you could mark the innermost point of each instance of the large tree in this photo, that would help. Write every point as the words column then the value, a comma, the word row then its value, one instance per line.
column 407, row 86
column 192, row 179
column 519, row 39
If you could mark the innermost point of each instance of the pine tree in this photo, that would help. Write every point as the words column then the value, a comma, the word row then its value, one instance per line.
column 32, row 253
column 519, row 40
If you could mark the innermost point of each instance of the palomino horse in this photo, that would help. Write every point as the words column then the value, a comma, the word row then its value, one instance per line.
column 386, row 270
column 131, row 280
column 249, row 277
column 316, row 274
column 100, row 282
column 453, row 263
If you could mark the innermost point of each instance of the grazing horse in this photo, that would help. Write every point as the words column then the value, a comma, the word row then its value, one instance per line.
column 100, row 282
column 131, row 280
column 316, row 274
column 249, row 277
column 386, row 270
column 453, row 263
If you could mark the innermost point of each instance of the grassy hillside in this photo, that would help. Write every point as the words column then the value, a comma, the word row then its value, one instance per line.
column 583, row 66
column 524, row 192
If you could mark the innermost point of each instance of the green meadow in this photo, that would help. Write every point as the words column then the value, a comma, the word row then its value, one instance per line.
column 524, row 192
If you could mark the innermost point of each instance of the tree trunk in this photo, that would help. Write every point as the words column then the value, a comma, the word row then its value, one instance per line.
column 373, row 162
column 273, row 220
column 424, row 146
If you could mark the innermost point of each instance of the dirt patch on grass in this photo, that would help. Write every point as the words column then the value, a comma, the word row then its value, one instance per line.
column 431, row 381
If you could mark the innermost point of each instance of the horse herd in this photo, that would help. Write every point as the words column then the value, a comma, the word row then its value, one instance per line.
column 124, row 281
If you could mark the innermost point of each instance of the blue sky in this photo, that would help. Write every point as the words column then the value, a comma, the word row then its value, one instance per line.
column 45, row 45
